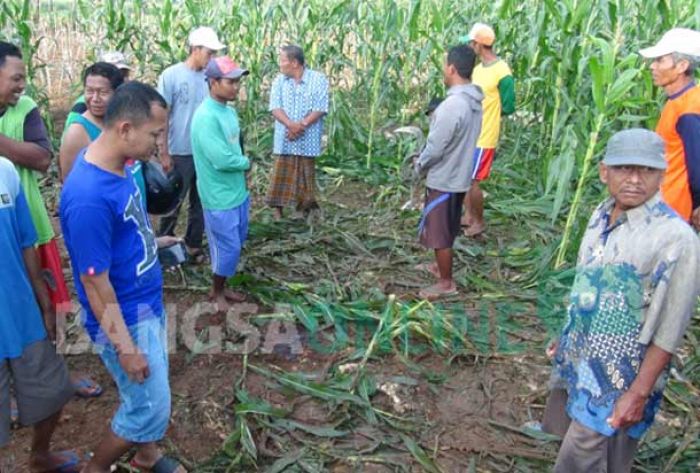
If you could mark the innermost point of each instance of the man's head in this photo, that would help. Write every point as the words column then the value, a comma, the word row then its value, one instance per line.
column 291, row 60
column 135, row 118
column 481, row 38
column 118, row 59
column 12, row 74
column 203, row 43
column 633, row 167
column 100, row 81
column 224, row 77
column 674, row 58
column 459, row 65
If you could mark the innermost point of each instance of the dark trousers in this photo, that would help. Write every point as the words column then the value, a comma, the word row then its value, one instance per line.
column 195, row 218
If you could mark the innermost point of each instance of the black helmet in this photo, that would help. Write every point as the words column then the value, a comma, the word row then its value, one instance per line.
column 163, row 191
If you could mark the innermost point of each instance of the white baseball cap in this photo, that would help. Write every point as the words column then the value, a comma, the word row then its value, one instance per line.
column 677, row 40
column 117, row 58
column 205, row 36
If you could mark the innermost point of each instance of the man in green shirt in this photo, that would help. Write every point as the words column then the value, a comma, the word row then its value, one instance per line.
column 220, row 167
column 25, row 142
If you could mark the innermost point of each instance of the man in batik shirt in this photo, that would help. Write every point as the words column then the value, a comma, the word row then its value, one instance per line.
column 636, row 287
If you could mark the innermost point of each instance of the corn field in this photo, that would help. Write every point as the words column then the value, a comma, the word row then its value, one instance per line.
column 578, row 78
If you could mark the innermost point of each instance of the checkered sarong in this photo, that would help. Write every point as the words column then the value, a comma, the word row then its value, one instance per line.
column 293, row 181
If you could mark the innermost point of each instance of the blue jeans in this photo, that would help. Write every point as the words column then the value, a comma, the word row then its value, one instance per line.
column 144, row 408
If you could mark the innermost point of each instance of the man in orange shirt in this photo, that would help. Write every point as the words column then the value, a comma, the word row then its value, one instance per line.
column 675, row 58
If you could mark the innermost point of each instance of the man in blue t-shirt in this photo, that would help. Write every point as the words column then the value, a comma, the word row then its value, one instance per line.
column 28, row 359
column 117, row 275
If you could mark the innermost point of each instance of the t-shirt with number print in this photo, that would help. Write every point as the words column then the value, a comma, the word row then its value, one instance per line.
column 106, row 228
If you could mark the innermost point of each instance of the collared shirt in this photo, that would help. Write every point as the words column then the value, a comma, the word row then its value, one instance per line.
column 637, row 283
column 298, row 100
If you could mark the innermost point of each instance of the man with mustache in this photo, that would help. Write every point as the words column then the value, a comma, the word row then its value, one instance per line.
column 636, row 286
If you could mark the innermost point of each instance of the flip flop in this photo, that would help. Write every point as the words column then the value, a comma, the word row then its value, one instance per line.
column 165, row 464
column 86, row 388
column 70, row 465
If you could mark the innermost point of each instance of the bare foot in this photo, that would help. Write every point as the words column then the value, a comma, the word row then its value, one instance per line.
column 475, row 230
column 144, row 462
column 220, row 302
column 466, row 221
column 440, row 289
column 234, row 296
column 432, row 268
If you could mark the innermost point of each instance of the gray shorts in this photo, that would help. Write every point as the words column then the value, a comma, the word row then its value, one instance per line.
column 582, row 449
column 41, row 386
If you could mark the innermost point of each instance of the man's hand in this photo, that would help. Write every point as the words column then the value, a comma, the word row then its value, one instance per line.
column 295, row 130
column 551, row 349
column 167, row 240
column 135, row 366
column 695, row 219
column 628, row 410
column 50, row 322
column 166, row 161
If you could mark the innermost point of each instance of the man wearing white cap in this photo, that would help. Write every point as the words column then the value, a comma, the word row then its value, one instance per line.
column 184, row 87
column 674, row 59
column 636, row 286
column 494, row 77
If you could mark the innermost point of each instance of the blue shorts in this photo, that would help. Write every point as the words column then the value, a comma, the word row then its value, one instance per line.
column 227, row 230
column 144, row 409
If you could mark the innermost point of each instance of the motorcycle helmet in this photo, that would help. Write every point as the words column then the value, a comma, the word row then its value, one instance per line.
column 163, row 191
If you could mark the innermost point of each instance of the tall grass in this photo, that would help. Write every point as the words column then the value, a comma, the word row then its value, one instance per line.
column 578, row 80
column 578, row 76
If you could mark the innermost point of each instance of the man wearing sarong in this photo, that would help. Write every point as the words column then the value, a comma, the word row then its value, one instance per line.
column 299, row 102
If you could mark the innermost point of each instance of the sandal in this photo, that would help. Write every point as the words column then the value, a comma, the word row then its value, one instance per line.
column 71, row 463
column 85, row 387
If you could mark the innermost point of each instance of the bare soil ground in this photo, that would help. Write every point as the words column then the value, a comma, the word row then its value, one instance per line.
column 465, row 412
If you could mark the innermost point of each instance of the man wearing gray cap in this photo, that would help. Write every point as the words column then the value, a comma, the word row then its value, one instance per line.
column 184, row 87
column 674, row 60
column 636, row 285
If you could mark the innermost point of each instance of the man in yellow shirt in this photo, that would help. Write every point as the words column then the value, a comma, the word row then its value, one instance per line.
column 496, row 81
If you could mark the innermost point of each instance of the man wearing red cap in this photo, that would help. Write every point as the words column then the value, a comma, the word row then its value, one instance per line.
column 496, row 81
column 221, row 182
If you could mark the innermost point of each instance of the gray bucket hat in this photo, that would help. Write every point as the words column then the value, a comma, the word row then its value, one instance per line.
column 635, row 147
